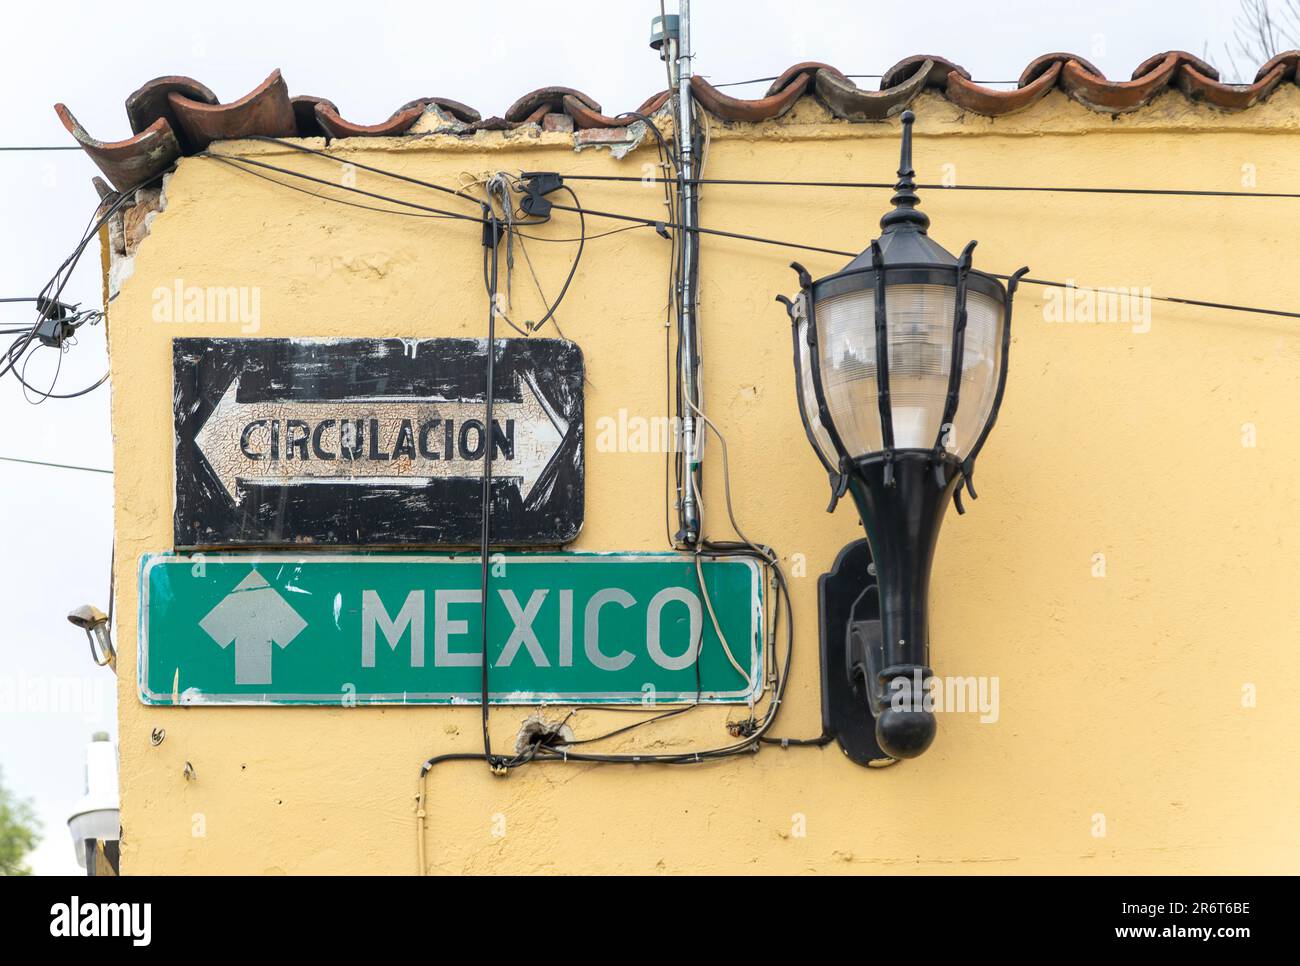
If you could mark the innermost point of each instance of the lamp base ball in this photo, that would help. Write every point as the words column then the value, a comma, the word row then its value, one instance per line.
column 905, row 733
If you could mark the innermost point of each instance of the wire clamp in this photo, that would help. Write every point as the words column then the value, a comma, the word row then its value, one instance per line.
column 538, row 184
column 491, row 229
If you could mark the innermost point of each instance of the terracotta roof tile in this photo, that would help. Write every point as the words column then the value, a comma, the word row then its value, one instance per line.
column 399, row 122
column 973, row 97
column 551, row 98
column 1115, row 97
column 936, row 74
column 791, row 74
column 761, row 109
column 1043, row 63
column 174, row 115
column 457, row 110
column 848, row 101
column 304, row 115
column 1181, row 56
column 1288, row 59
column 264, row 110
column 1230, row 97
column 149, row 103
column 130, row 162
column 584, row 117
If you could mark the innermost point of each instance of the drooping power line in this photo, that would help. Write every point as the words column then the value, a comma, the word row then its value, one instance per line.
column 57, row 466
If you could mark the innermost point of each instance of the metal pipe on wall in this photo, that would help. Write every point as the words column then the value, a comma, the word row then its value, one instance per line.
column 688, row 357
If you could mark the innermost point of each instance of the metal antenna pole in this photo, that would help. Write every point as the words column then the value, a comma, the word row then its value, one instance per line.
column 690, row 517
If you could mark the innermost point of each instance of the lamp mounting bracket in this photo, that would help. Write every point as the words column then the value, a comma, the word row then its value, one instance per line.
column 845, row 597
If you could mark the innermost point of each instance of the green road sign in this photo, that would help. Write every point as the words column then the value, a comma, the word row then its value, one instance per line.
column 405, row 629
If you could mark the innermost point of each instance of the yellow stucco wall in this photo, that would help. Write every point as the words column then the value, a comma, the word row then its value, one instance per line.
column 1120, row 695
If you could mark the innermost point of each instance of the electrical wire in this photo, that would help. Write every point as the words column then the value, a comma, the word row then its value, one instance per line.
column 726, row 479
column 1200, row 303
column 65, row 395
column 660, row 716
column 1183, row 192
column 573, row 268
column 603, row 234
column 57, row 466
column 50, row 307
column 54, row 379
column 768, row 80
column 421, row 211
column 688, row 463
column 666, row 156
column 890, row 186
column 541, row 293
column 421, row 794
column 672, row 475
column 676, row 226
column 1028, row 280
column 759, row 239
column 490, row 254
column 717, row 628
column 369, row 194
column 750, row 734
column 235, row 163
column 454, row 192
column 496, row 189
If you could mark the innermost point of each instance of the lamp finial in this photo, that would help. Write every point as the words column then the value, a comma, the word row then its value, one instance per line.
column 905, row 200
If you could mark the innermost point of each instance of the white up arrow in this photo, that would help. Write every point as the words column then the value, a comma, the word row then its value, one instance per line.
column 380, row 440
column 252, row 617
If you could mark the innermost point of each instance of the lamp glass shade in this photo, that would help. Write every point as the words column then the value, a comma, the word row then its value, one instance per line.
column 821, row 439
column 919, row 327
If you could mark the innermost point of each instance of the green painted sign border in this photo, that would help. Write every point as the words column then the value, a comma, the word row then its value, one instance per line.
column 271, row 699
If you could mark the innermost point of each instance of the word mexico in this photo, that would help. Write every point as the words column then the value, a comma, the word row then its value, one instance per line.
column 407, row 629
column 376, row 441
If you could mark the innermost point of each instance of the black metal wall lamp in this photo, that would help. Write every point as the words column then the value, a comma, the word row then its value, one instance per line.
column 900, row 365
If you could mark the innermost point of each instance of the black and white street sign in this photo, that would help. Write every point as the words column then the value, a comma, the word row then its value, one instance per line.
column 375, row 442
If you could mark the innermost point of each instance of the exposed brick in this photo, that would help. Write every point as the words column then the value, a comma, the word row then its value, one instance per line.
column 135, row 220
column 604, row 135
column 557, row 122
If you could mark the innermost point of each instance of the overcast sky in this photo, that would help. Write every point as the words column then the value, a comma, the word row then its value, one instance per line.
column 56, row 525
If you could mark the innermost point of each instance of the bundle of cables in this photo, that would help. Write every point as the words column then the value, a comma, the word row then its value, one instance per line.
column 56, row 322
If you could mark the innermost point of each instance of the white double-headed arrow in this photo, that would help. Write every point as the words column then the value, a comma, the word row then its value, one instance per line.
column 380, row 440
